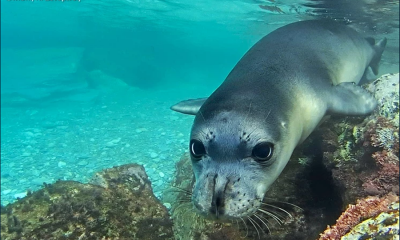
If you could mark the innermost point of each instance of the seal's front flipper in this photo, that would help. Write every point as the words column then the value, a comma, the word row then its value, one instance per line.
column 378, row 47
column 350, row 99
column 190, row 106
column 368, row 77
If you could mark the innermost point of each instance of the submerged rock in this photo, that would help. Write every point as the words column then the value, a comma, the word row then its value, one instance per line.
column 122, row 207
column 382, row 220
column 362, row 153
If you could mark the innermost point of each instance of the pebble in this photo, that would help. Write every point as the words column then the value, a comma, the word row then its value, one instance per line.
column 6, row 191
column 26, row 154
column 153, row 155
column 29, row 134
column 159, row 183
column 113, row 143
column 167, row 205
column 61, row 164
column 83, row 163
column 39, row 181
column 139, row 130
column 20, row 195
column 161, row 174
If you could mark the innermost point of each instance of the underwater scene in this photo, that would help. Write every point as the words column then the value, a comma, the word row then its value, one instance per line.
column 200, row 119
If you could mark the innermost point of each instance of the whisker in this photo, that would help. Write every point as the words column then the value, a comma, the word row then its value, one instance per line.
column 255, row 222
column 248, row 112
column 254, row 129
column 283, row 210
column 203, row 133
column 247, row 229
column 202, row 116
column 277, row 219
column 288, row 203
column 276, row 213
column 185, row 198
column 267, row 116
column 252, row 222
column 186, row 194
column 179, row 189
column 265, row 224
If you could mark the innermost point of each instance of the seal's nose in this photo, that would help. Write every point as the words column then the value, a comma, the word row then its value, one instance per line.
column 218, row 204
column 218, row 199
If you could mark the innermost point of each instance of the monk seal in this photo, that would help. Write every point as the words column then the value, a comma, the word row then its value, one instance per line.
column 244, row 133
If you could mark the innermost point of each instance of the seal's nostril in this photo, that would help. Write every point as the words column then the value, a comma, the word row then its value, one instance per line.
column 219, row 202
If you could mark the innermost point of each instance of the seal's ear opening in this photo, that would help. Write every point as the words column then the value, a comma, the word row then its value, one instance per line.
column 190, row 106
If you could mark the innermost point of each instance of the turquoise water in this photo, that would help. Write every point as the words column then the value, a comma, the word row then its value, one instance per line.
column 87, row 85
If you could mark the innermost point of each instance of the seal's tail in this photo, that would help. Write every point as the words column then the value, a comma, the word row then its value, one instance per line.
column 378, row 47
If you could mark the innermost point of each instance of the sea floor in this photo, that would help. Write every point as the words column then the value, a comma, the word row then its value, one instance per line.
column 71, row 139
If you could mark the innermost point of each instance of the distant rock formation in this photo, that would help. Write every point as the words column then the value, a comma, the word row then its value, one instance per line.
column 120, row 67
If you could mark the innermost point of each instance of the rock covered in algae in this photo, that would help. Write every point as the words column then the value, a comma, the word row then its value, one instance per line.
column 386, row 90
column 370, row 218
column 363, row 152
column 118, row 205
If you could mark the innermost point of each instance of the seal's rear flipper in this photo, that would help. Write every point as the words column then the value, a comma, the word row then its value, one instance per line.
column 190, row 106
column 350, row 99
column 378, row 47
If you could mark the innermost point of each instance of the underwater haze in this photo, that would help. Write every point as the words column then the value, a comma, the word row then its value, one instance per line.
column 87, row 85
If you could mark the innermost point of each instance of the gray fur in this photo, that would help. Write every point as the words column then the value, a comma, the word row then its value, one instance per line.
column 278, row 93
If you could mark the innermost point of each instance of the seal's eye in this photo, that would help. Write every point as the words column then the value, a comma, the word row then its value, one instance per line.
column 262, row 151
column 197, row 149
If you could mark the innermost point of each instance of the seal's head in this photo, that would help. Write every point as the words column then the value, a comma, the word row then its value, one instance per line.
column 235, row 160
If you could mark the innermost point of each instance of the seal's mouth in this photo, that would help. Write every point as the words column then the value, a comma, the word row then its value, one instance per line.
column 226, row 196
column 221, row 214
column 226, row 205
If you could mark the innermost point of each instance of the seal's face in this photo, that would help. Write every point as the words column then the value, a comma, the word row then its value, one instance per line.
column 234, row 165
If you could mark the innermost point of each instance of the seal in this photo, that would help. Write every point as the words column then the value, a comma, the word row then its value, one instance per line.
column 244, row 134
